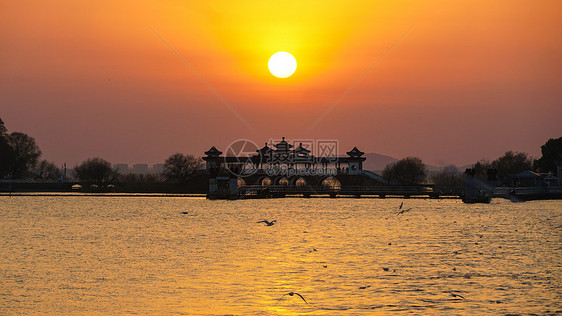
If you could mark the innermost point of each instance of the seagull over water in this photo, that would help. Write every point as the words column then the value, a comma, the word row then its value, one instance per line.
column 268, row 223
column 403, row 211
column 291, row 294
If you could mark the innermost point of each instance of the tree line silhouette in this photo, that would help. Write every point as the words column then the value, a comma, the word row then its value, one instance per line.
column 20, row 158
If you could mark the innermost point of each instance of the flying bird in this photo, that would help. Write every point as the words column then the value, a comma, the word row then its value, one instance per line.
column 364, row 287
column 268, row 223
column 401, row 204
column 404, row 210
column 291, row 294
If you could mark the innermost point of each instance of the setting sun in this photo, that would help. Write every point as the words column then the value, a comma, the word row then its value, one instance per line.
column 282, row 64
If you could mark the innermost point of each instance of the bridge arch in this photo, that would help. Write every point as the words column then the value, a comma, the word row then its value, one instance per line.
column 282, row 181
column 264, row 181
column 331, row 182
column 241, row 182
column 298, row 182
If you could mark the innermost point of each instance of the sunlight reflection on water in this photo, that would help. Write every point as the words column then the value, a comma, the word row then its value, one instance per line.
column 124, row 255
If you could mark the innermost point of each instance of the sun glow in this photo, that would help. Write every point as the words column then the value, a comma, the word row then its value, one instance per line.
column 282, row 64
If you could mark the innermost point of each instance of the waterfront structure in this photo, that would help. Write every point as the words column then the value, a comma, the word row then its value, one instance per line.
column 284, row 164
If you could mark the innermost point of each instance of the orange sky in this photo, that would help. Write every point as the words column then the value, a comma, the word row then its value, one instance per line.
column 470, row 80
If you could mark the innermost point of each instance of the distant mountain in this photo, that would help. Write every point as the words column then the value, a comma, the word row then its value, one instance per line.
column 377, row 162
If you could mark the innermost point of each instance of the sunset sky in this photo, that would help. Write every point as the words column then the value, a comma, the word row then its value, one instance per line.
column 469, row 80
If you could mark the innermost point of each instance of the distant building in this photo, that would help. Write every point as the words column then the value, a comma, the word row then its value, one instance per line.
column 532, row 179
column 140, row 168
column 158, row 168
column 122, row 168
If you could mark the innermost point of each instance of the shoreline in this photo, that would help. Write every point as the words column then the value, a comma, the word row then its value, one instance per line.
column 75, row 194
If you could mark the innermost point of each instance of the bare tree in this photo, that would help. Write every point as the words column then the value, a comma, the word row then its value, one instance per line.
column 551, row 155
column 407, row 171
column 481, row 168
column 3, row 129
column 26, row 154
column 448, row 177
column 96, row 170
column 47, row 170
column 179, row 167
column 512, row 163
column 6, row 151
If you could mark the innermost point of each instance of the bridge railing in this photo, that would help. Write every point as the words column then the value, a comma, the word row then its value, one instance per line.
column 527, row 190
column 357, row 190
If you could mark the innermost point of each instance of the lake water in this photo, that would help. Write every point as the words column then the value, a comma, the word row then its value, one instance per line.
column 142, row 255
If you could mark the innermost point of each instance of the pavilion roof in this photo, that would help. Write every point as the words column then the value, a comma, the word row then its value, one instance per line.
column 283, row 145
column 355, row 152
column 265, row 150
column 301, row 150
column 213, row 152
